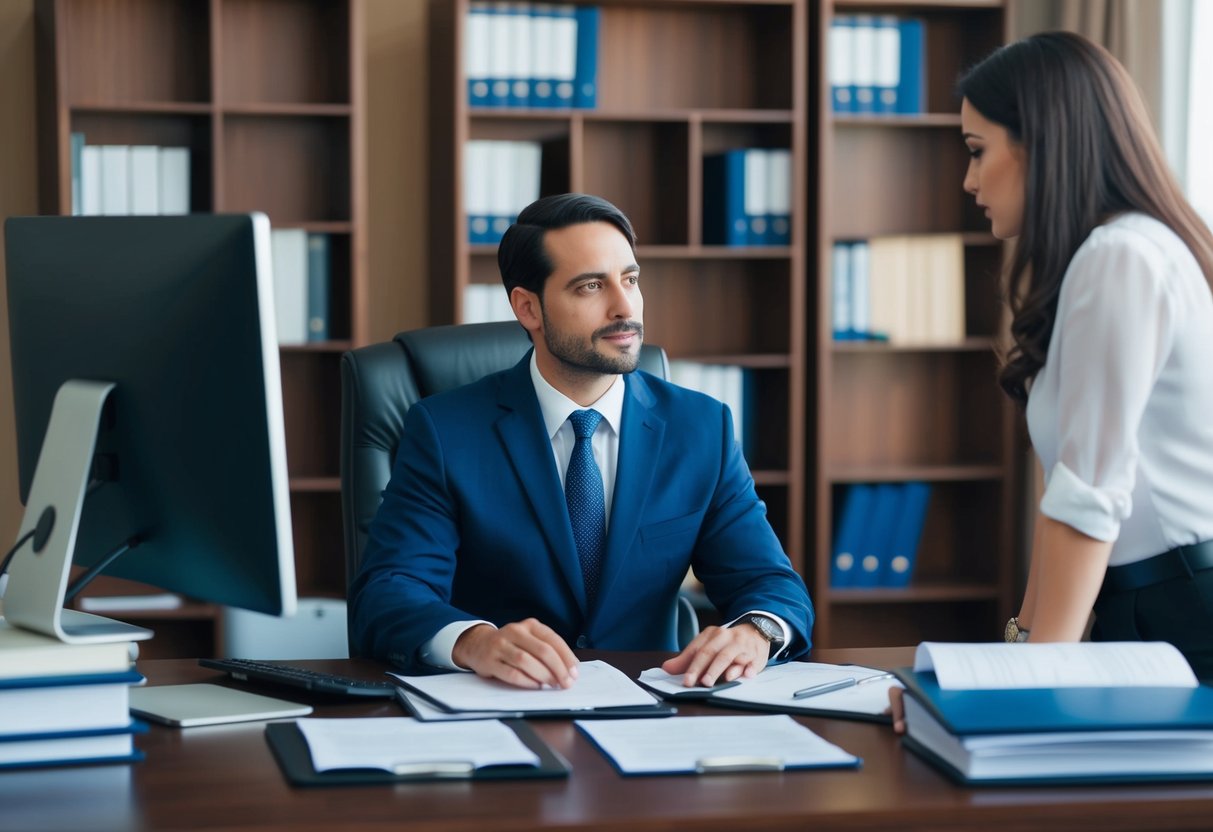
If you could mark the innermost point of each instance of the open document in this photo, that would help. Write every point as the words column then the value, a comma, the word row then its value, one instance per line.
column 1025, row 713
column 600, row 690
column 810, row 688
column 713, row 744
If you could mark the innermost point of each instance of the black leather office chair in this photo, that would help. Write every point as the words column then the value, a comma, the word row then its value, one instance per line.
column 381, row 382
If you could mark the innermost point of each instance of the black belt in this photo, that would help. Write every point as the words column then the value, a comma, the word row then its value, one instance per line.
column 1180, row 562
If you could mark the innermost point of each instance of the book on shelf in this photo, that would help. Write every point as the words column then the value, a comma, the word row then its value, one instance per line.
column 876, row 65
column 115, row 180
column 121, row 180
column 25, row 654
column 877, row 534
column 1056, row 713
column 145, row 179
column 77, row 154
column 319, row 259
column 500, row 179
column 290, row 256
column 174, row 180
column 523, row 54
column 485, row 302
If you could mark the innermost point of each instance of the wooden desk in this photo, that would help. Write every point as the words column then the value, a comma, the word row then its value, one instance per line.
column 225, row 777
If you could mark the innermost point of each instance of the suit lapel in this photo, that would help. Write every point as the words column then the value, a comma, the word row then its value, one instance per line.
column 639, row 447
column 522, row 433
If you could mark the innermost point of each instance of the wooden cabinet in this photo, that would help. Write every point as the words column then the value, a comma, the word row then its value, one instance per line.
column 677, row 81
column 268, row 97
column 887, row 413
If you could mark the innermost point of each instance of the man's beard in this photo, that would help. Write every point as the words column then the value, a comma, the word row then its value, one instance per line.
column 581, row 357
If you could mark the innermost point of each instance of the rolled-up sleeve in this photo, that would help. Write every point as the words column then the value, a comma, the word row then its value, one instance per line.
column 1115, row 319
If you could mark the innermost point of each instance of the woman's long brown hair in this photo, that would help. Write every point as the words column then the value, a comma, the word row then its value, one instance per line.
column 1091, row 154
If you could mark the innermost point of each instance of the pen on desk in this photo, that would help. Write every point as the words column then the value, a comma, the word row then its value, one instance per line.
column 876, row 677
column 824, row 687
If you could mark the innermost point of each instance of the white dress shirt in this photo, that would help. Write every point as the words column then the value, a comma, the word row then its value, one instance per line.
column 1121, row 413
column 556, row 409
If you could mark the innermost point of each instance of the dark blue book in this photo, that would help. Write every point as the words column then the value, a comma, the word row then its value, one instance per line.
column 724, row 217
column 853, row 517
column 907, row 534
column 841, row 51
column 585, row 92
column 476, row 62
column 876, row 542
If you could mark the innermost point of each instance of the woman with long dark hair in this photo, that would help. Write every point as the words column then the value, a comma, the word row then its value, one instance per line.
column 1109, row 287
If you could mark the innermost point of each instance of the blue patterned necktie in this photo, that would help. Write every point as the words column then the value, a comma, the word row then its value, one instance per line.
column 584, row 495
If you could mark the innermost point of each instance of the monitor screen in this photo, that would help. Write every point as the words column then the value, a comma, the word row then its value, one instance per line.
column 190, row 456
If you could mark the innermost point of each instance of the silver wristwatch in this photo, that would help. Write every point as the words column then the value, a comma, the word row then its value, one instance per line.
column 1013, row 633
column 766, row 628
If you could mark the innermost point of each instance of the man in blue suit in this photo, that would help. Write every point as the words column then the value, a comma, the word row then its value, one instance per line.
column 561, row 501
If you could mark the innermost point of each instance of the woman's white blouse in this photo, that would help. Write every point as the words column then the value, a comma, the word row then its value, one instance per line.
column 1121, row 414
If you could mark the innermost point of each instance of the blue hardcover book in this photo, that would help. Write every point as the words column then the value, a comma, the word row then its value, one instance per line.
column 500, row 58
column 77, row 162
column 318, row 287
column 852, row 518
column 476, row 53
column 756, row 205
column 543, row 56
column 861, row 302
column 907, row 533
column 841, row 50
column 585, row 94
column 521, row 54
column 724, row 218
column 911, row 94
column 564, row 54
column 863, row 62
column 876, row 541
column 779, row 197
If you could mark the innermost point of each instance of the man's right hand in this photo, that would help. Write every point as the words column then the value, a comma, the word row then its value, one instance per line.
column 527, row 654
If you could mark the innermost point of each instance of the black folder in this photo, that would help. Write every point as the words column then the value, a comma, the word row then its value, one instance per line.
column 291, row 750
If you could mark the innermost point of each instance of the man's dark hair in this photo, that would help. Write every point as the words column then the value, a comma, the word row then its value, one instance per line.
column 522, row 258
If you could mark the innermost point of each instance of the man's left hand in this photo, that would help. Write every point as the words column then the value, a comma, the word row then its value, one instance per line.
column 721, row 654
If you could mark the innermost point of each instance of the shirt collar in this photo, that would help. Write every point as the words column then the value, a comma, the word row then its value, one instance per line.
column 556, row 406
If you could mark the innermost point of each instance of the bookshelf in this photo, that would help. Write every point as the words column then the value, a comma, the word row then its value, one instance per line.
column 677, row 80
column 889, row 413
column 268, row 95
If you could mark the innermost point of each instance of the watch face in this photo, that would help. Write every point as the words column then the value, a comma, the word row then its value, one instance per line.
column 767, row 627
column 1011, row 633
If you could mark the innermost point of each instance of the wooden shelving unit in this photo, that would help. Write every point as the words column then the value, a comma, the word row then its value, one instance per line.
column 677, row 80
column 268, row 95
column 933, row 413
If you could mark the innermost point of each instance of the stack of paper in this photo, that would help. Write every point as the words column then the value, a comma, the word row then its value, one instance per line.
column 1018, row 713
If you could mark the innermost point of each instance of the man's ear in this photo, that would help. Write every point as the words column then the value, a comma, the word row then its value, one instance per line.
column 527, row 309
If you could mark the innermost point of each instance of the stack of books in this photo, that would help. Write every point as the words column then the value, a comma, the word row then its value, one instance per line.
column 64, row 704
column 1059, row 713
column 877, row 534
column 119, row 179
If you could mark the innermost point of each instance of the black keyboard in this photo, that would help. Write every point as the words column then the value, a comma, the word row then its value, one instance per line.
column 316, row 681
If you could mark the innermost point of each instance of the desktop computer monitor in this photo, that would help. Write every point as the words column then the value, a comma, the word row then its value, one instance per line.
column 156, row 335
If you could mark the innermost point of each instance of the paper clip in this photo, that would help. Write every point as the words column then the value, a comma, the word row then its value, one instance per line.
column 725, row 764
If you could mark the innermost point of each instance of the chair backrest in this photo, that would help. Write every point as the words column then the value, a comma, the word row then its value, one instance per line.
column 381, row 382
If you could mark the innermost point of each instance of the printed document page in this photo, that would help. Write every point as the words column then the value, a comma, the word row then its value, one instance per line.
column 705, row 743
column 997, row 666
column 598, row 685
column 401, row 744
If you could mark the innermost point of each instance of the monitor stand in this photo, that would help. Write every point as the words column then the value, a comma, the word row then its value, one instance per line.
column 37, row 580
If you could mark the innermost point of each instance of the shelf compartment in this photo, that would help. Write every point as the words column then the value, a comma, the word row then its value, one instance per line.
column 913, row 409
column 312, row 411
column 162, row 130
column 712, row 56
column 164, row 49
column 643, row 169
column 284, row 51
column 717, row 307
column 319, row 548
column 295, row 169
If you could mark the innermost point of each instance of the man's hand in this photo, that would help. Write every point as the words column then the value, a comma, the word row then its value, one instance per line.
column 721, row 654
column 527, row 654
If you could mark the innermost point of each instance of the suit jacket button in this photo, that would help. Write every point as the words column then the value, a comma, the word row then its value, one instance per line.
column 582, row 642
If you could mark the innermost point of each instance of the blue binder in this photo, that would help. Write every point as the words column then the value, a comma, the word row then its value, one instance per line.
column 911, row 95
column 585, row 93
column 318, row 259
column 907, row 533
column 876, row 542
column 724, row 218
column 844, row 558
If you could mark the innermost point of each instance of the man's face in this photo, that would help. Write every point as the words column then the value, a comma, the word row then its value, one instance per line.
column 592, row 311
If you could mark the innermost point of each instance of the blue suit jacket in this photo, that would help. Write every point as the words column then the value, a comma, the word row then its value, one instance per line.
column 473, row 525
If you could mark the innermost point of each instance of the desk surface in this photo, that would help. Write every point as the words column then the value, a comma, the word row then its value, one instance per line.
column 224, row 777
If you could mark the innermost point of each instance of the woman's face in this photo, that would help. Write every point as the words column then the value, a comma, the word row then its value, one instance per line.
column 995, row 177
